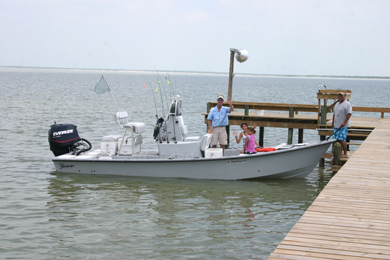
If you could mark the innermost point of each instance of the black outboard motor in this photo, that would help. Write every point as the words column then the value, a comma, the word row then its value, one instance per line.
column 64, row 138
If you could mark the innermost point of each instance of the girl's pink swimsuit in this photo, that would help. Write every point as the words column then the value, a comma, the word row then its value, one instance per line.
column 251, row 146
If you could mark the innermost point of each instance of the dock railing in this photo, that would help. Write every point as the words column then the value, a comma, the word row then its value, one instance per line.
column 310, row 120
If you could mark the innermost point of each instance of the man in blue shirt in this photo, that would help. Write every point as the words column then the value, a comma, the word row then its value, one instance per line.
column 218, row 120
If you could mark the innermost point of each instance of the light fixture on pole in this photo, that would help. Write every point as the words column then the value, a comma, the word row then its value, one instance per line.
column 242, row 56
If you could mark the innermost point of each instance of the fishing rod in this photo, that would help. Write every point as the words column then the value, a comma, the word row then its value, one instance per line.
column 162, row 104
column 165, row 93
column 174, row 82
column 168, row 82
column 162, row 101
column 154, row 98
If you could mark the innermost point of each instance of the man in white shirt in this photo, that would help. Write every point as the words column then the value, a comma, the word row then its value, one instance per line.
column 340, row 122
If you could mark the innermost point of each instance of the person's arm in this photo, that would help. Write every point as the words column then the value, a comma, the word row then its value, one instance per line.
column 333, row 121
column 257, row 144
column 246, row 143
column 239, row 138
column 210, row 128
column 235, row 135
column 231, row 108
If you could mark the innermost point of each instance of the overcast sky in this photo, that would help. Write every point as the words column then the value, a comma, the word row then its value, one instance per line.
column 296, row 37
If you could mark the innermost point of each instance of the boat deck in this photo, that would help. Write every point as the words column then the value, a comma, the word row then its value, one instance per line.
column 350, row 219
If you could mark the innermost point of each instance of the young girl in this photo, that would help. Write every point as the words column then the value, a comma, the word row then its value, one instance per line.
column 243, row 134
column 250, row 142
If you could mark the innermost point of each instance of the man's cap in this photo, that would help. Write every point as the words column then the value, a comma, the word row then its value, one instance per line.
column 221, row 96
column 342, row 93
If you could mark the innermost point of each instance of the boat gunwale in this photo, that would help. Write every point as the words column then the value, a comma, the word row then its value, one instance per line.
column 240, row 156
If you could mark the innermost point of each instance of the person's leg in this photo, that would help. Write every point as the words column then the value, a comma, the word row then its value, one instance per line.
column 214, row 137
column 343, row 141
column 344, row 148
column 223, row 149
column 223, row 139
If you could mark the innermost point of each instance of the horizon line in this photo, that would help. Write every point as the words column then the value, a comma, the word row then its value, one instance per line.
column 204, row 72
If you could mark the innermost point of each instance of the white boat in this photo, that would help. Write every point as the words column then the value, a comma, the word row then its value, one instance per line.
column 177, row 155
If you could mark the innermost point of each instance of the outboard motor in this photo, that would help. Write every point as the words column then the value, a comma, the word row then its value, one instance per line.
column 64, row 138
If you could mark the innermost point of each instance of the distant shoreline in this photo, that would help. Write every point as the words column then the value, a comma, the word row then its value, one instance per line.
column 198, row 72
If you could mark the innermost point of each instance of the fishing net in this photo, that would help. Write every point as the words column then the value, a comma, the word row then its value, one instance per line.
column 102, row 86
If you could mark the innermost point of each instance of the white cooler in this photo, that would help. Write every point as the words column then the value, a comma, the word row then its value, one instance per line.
column 213, row 153
column 127, row 147
column 109, row 144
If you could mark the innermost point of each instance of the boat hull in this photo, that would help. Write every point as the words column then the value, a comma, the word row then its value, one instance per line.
column 296, row 162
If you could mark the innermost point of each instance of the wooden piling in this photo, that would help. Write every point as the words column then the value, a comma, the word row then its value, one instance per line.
column 291, row 111
column 261, row 136
column 336, row 156
column 300, row 135
column 246, row 110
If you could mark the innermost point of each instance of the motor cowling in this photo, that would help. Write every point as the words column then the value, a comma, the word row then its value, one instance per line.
column 62, row 138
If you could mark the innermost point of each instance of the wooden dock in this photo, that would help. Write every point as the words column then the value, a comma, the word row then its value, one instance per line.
column 350, row 219
column 302, row 116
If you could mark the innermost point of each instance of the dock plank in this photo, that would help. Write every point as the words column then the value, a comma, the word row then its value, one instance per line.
column 350, row 219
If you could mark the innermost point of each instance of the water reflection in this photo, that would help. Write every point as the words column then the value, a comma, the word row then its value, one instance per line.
column 176, row 217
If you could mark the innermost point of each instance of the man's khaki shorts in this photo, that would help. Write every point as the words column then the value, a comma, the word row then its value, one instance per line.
column 219, row 135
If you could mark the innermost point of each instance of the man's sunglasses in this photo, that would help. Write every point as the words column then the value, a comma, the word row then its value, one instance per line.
column 220, row 99
column 340, row 95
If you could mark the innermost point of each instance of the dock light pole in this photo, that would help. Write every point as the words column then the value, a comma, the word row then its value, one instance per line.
column 242, row 56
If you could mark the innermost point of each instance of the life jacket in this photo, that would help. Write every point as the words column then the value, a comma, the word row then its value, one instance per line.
column 266, row 149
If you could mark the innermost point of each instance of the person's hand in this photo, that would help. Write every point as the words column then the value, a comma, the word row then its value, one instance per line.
column 235, row 134
column 342, row 125
column 254, row 125
column 229, row 101
column 209, row 131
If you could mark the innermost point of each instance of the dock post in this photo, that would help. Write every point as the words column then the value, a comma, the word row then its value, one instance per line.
column 246, row 110
column 300, row 136
column 261, row 136
column 291, row 111
column 231, row 75
column 337, row 155
column 228, row 136
column 324, row 113
column 208, row 111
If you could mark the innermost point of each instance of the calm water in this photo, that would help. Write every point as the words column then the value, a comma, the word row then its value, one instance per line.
column 44, row 215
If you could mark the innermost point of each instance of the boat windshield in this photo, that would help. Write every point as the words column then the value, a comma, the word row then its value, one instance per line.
column 172, row 109
column 175, row 108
